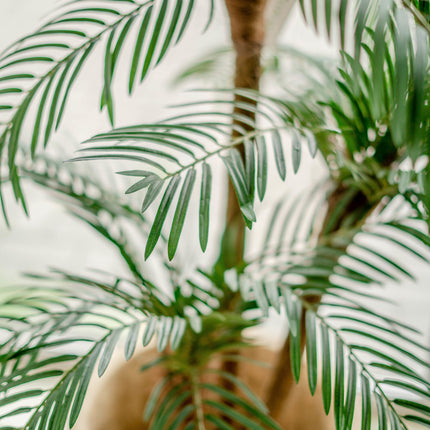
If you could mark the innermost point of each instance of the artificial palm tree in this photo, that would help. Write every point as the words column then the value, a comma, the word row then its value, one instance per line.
column 320, row 261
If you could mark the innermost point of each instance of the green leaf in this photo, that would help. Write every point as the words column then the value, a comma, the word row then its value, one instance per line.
column 315, row 13
column 328, row 17
column 360, row 23
column 296, row 151
column 339, row 386
column 148, row 334
column 171, row 30
column 130, row 343
column 72, row 79
column 235, row 415
column 241, row 386
column 394, row 420
column 236, row 170
column 20, row 396
column 204, row 210
column 279, row 154
column 295, row 347
column 261, row 167
column 142, row 173
column 19, row 76
column 155, row 394
column 342, row 20
column 415, row 406
column 185, row 20
column 366, row 402
column 181, row 416
column 163, row 333
column 302, row 7
column 250, row 166
column 211, row 14
column 272, row 293
column 238, row 401
column 62, row 406
column 350, row 397
column 54, row 102
column 418, row 420
column 160, row 217
column 178, row 330
column 382, row 413
column 84, row 377
column 109, row 346
column 291, row 310
column 15, row 412
column 138, row 47
column 106, row 99
column 378, row 56
column 311, row 351
column 143, row 183
column 153, row 190
column 154, row 39
column 326, row 368
column 36, row 129
column 181, row 210
column 120, row 41
column 312, row 144
column 220, row 424
column 168, row 408
column 418, row 110
column 260, row 298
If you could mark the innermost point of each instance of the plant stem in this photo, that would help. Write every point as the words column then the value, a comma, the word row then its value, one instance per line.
column 247, row 34
column 198, row 402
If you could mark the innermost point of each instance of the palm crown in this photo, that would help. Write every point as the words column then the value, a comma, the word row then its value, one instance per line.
column 317, row 263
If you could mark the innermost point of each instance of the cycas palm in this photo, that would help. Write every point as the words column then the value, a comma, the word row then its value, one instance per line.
column 368, row 119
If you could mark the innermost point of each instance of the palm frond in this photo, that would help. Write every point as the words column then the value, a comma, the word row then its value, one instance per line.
column 389, row 47
column 327, row 280
column 172, row 148
column 188, row 394
column 185, row 403
column 350, row 341
column 325, row 16
column 87, row 316
column 59, row 50
column 86, row 198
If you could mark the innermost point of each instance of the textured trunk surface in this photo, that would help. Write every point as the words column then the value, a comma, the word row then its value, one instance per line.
column 247, row 34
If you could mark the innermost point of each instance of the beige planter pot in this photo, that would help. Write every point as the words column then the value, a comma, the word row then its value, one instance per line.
column 120, row 399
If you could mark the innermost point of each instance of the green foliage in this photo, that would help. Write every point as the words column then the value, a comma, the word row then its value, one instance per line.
column 62, row 47
column 186, row 143
column 323, row 267
column 341, row 312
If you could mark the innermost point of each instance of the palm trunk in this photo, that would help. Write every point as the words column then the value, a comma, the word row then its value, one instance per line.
column 247, row 33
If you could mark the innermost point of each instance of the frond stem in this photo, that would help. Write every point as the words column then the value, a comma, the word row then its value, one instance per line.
column 313, row 308
column 198, row 401
column 66, row 374
column 236, row 142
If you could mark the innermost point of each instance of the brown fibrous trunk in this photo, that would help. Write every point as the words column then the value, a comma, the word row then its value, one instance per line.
column 247, row 34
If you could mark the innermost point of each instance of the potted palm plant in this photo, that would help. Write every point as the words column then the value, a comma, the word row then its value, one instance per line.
column 320, row 262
